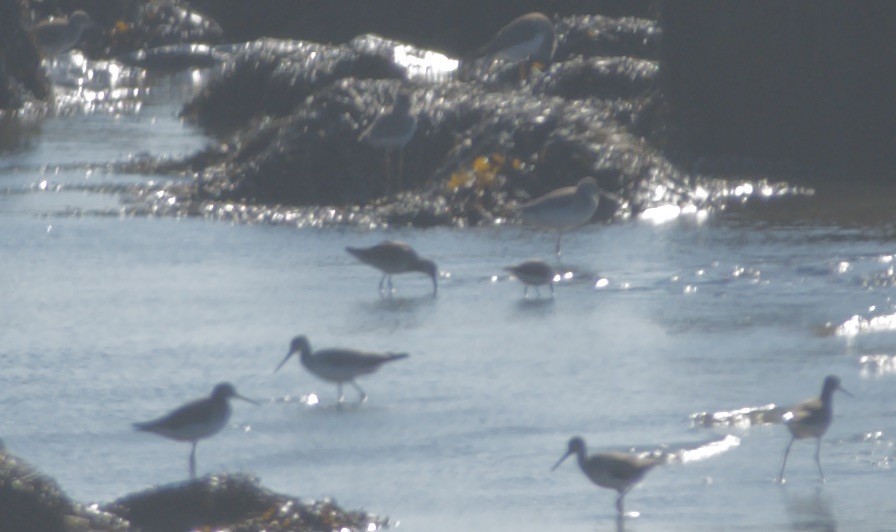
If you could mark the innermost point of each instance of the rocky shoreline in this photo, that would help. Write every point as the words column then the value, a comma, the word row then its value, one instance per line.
column 30, row 500
column 289, row 116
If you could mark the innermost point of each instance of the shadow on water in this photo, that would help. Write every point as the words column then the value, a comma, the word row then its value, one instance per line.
column 399, row 304
column 810, row 511
column 537, row 306
column 394, row 313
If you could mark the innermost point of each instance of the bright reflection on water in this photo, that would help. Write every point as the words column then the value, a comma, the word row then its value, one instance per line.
column 111, row 316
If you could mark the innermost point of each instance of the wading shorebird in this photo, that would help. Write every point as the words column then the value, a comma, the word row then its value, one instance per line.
column 529, row 38
column 811, row 419
column 563, row 208
column 61, row 34
column 392, row 257
column 338, row 365
column 196, row 420
column 391, row 131
column 614, row 470
column 533, row 273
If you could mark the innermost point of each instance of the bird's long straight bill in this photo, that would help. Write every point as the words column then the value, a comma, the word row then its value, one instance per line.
column 244, row 398
column 844, row 390
column 280, row 365
column 560, row 461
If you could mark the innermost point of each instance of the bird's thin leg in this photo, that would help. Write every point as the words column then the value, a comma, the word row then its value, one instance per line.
column 559, row 236
column 620, row 523
column 525, row 291
column 391, row 290
column 383, row 280
column 551, row 284
column 620, row 503
column 818, row 457
column 360, row 391
column 193, row 462
column 784, row 463
column 339, row 393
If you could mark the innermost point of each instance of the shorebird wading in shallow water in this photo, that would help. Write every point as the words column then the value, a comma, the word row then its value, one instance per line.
column 811, row 419
column 391, row 131
column 338, row 365
column 196, row 420
column 61, row 34
column 563, row 208
column 614, row 470
column 396, row 257
column 530, row 38
column 533, row 273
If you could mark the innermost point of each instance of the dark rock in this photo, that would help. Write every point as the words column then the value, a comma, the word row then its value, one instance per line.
column 236, row 502
column 480, row 148
column 30, row 500
column 124, row 26
column 599, row 35
column 599, row 77
column 455, row 26
column 270, row 77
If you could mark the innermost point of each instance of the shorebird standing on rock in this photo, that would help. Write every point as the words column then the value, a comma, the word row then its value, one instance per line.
column 196, row 420
column 563, row 208
column 57, row 36
column 392, row 130
column 392, row 257
column 338, row 365
column 530, row 38
column 614, row 470
column 811, row 419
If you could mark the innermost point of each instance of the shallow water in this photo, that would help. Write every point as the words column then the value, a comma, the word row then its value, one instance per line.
column 112, row 318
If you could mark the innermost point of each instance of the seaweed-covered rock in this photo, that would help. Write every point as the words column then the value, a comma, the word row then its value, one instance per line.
column 457, row 26
column 270, row 77
column 125, row 26
column 309, row 103
column 295, row 113
column 236, row 502
column 599, row 35
column 30, row 500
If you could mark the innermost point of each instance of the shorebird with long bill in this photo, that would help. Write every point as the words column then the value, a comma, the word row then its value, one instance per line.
column 563, row 208
column 196, row 420
column 338, row 365
column 530, row 38
column 391, row 257
column 391, row 130
column 811, row 419
column 613, row 470
column 533, row 273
